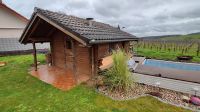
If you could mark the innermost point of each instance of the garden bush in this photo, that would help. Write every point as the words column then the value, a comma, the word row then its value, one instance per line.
column 118, row 77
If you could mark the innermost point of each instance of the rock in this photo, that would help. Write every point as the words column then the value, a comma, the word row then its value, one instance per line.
column 185, row 98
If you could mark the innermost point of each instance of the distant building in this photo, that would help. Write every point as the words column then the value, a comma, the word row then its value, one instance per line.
column 12, row 25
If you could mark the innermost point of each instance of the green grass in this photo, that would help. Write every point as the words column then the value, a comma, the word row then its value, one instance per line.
column 20, row 92
column 165, row 55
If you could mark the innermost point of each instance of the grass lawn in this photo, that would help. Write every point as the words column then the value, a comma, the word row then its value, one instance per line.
column 165, row 55
column 21, row 92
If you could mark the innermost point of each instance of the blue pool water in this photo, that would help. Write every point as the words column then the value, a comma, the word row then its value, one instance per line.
column 174, row 65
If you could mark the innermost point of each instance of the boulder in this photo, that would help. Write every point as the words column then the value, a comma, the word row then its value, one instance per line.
column 195, row 100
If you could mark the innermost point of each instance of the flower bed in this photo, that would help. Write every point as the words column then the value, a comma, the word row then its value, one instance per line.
column 165, row 95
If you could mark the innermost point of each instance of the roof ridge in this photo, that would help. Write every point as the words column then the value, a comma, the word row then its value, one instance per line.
column 37, row 9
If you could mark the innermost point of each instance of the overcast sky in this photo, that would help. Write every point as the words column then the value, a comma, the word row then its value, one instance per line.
column 139, row 17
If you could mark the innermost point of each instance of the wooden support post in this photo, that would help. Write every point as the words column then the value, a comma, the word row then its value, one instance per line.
column 74, row 60
column 35, row 56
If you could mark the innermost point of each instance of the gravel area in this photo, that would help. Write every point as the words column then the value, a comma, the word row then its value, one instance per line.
column 165, row 95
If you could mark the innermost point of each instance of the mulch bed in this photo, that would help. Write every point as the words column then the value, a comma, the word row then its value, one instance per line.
column 165, row 95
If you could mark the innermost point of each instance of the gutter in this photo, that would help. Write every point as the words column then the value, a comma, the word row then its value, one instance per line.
column 107, row 41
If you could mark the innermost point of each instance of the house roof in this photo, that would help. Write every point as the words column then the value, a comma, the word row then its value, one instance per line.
column 95, row 33
column 12, row 44
column 14, row 12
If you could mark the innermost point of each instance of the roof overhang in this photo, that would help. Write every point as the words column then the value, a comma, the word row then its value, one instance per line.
column 25, row 37
column 33, row 23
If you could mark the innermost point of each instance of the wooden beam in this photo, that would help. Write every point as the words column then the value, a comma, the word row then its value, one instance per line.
column 52, row 52
column 32, row 19
column 40, row 39
column 34, row 27
column 74, row 60
column 96, row 57
column 65, row 52
column 51, row 32
column 35, row 56
column 92, row 60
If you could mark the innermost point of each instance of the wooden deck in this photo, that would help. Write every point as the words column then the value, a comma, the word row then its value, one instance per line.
column 57, row 77
column 171, row 84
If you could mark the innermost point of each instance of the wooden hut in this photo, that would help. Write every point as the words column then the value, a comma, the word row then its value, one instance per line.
column 77, row 44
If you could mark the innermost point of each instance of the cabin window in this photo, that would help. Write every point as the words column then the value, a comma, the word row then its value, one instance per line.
column 123, row 44
column 111, row 47
column 68, row 44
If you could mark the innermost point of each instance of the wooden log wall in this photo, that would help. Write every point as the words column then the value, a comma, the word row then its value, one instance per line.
column 69, row 53
column 127, row 46
column 77, row 58
column 83, row 60
column 58, row 54
column 103, row 49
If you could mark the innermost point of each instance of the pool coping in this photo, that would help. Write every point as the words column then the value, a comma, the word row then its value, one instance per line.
column 167, row 77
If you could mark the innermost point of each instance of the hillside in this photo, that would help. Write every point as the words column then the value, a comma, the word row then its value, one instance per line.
column 192, row 36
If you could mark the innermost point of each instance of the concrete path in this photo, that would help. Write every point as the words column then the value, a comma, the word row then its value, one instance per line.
column 176, row 85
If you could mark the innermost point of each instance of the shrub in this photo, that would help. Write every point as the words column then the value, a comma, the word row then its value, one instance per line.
column 119, row 77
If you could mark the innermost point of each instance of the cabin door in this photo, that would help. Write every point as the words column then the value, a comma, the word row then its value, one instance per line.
column 69, row 54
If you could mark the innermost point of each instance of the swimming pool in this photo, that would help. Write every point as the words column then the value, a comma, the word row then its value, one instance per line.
column 174, row 65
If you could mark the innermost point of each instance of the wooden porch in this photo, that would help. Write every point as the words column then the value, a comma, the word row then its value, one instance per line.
column 57, row 77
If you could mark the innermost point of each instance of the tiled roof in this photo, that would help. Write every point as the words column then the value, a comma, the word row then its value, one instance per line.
column 97, row 31
column 12, row 44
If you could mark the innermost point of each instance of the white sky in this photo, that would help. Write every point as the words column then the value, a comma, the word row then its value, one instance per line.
column 139, row 17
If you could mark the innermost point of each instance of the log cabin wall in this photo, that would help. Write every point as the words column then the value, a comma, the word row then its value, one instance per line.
column 69, row 53
column 74, row 57
column 106, row 49
column 119, row 45
column 83, row 60
column 58, row 52
column 79, row 58
column 127, row 47
column 103, row 50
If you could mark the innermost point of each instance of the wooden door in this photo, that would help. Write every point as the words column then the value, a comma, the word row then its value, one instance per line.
column 58, row 52
column 69, row 54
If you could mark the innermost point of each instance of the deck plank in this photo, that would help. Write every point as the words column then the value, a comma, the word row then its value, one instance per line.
column 176, row 85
